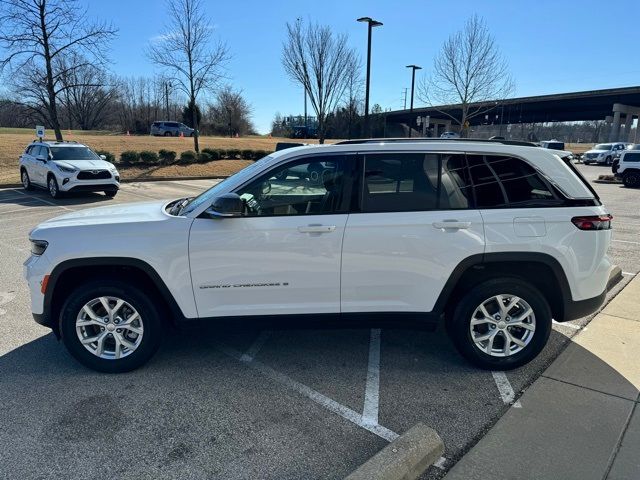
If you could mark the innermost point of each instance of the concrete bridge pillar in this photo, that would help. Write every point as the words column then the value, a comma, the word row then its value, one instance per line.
column 615, row 126
column 628, row 120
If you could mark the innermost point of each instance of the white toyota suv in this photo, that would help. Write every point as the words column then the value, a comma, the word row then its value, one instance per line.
column 493, row 238
column 67, row 167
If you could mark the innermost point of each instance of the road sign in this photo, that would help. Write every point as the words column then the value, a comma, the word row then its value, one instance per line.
column 40, row 131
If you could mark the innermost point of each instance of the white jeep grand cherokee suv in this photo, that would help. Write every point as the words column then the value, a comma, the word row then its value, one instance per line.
column 67, row 167
column 493, row 238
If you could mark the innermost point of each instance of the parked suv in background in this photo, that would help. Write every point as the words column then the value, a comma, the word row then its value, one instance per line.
column 67, row 167
column 495, row 239
column 627, row 167
column 603, row 153
column 170, row 129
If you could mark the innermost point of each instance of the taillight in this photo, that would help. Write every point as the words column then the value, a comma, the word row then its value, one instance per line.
column 593, row 222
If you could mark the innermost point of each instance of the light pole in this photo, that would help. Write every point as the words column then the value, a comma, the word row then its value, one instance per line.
column 413, row 82
column 167, row 86
column 371, row 23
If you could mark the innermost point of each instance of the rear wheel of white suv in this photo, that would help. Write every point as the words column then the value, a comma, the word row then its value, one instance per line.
column 26, row 181
column 111, row 326
column 501, row 324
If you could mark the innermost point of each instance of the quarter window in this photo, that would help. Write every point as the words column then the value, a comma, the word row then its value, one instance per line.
column 507, row 181
column 305, row 187
column 632, row 157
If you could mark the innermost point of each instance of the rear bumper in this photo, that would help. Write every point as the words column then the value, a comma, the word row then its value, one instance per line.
column 574, row 309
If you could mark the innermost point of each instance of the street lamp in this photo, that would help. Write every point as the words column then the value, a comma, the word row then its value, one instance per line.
column 413, row 82
column 371, row 23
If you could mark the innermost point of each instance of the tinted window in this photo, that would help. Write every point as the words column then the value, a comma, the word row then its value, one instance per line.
column 507, row 181
column 632, row 157
column 305, row 187
column 400, row 182
column 455, row 184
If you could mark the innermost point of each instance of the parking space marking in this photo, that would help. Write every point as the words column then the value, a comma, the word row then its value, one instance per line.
column 626, row 241
column 315, row 396
column 257, row 345
column 44, row 200
column 630, row 274
column 568, row 325
column 505, row 389
column 441, row 463
column 372, row 389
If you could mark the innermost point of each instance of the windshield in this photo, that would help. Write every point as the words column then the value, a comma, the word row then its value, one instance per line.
column 603, row 146
column 73, row 153
column 207, row 196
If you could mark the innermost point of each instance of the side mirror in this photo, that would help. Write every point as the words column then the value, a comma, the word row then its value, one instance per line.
column 227, row 205
column 103, row 157
column 41, row 158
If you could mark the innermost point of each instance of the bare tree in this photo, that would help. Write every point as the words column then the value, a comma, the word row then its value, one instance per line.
column 469, row 69
column 353, row 94
column 230, row 114
column 37, row 35
column 319, row 60
column 187, row 52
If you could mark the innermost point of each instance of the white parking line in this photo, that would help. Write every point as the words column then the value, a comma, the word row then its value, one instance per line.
column 568, row 325
column 372, row 389
column 626, row 241
column 629, row 274
column 505, row 389
column 256, row 346
column 43, row 200
column 317, row 397
column 441, row 463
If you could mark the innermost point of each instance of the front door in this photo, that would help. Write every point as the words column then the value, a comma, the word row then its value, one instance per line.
column 281, row 257
column 416, row 225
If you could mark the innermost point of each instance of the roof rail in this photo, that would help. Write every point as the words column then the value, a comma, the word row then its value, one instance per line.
column 425, row 140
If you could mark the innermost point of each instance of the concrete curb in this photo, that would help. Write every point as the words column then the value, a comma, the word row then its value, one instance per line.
column 406, row 458
column 607, row 179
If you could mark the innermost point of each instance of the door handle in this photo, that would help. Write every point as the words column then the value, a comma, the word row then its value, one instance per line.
column 451, row 225
column 316, row 228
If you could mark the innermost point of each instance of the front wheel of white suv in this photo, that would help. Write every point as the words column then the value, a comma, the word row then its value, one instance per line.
column 111, row 326
column 52, row 186
column 501, row 324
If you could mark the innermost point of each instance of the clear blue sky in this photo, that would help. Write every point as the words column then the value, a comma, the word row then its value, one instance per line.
column 551, row 46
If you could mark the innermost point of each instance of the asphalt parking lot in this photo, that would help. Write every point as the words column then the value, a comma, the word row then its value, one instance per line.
column 281, row 404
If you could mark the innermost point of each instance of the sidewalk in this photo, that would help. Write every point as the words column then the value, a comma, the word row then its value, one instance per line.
column 580, row 419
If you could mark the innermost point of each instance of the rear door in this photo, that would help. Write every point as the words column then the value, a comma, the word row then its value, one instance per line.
column 415, row 224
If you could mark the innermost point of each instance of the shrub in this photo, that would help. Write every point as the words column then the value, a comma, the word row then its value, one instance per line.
column 204, row 157
column 187, row 157
column 129, row 157
column 248, row 154
column 148, row 157
column 233, row 153
column 213, row 153
column 110, row 157
column 223, row 153
column 260, row 153
column 167, row 156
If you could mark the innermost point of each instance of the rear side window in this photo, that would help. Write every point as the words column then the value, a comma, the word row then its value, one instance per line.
column 632, row 157
column 502, row 181
column 397, row 182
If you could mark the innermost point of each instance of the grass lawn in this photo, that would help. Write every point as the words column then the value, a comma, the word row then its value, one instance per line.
column 14, row 140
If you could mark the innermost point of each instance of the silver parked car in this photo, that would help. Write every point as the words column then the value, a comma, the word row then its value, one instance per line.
column 170, row 129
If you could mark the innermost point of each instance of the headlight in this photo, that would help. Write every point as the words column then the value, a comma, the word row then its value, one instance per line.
column 66, row 169
column 38, row 246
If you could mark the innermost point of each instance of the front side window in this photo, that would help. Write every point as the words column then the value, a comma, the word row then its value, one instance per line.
column 315, row 185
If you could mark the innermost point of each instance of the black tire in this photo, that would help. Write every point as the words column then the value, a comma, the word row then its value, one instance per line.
column 110, row 193
column 26, row 181
column 153, row 325
column 608, row 160
column 53, row 188
column 167, row 134
column 460, row 323
column 631, row 179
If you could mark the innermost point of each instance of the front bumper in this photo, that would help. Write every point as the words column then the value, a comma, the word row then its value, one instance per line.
column 72, row 184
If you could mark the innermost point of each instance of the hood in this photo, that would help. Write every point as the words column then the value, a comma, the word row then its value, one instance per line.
column 597, row 151
column 85, row 164
column 122, row 213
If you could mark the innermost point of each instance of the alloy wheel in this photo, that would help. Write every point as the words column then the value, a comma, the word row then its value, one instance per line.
column 109, row 327
column 502, row 325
